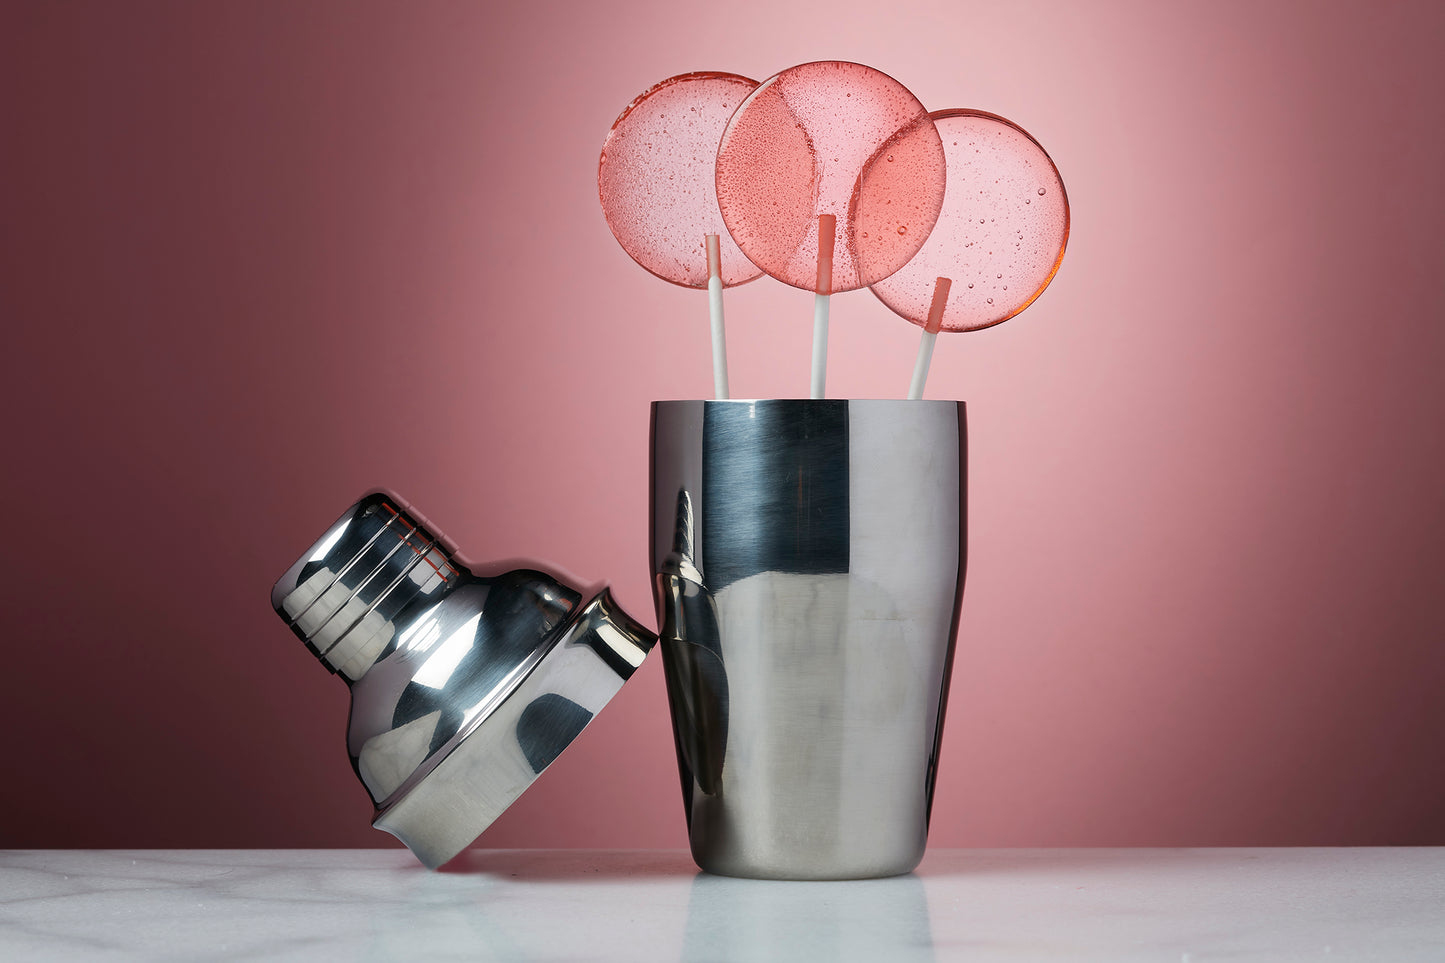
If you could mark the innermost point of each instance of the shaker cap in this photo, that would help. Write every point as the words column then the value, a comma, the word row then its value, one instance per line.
column 465, row 684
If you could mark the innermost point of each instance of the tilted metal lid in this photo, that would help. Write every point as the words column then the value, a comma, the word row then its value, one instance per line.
column 465, row 685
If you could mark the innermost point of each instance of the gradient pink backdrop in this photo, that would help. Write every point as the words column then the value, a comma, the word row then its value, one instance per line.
column 258, row 258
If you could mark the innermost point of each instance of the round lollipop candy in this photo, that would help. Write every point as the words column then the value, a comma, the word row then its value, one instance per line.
column 999, row 238
column 790, row 190
column 657, row 183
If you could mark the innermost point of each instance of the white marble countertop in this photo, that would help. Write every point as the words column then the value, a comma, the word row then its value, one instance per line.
column 1181, row 906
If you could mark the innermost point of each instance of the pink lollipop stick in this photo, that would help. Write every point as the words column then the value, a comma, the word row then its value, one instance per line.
column 822, row 291
column 930, row 335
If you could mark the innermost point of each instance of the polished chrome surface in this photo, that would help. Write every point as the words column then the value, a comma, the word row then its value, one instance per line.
column 808, row 562
column 464, row 685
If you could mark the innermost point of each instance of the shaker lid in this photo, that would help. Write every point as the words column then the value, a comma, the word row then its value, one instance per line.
column 466, row 684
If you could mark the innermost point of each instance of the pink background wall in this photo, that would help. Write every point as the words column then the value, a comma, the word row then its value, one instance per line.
column 258, row 258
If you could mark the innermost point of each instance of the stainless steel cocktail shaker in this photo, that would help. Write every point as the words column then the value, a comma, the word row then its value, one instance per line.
column 808, row 561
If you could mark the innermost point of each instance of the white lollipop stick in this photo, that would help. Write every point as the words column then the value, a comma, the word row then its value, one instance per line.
column 827, row 232
column 820, row 345
column 715, row 311
column 930, row 335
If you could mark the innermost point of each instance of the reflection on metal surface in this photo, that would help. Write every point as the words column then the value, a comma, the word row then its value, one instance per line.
column 464, row 686
column 696, row 682
column 808, row 572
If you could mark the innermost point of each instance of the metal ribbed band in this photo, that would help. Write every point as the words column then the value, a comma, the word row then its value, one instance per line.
column 343, row 598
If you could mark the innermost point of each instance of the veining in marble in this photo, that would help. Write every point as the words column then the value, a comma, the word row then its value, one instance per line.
column 1159, row 905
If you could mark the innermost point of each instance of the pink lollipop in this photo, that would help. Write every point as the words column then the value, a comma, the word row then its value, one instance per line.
column 790, row 162
column 657, row 182
column 999, row 238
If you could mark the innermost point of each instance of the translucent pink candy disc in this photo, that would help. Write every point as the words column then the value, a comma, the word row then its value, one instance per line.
column 796, row 148
column 656, row 178
column 1001, row 233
